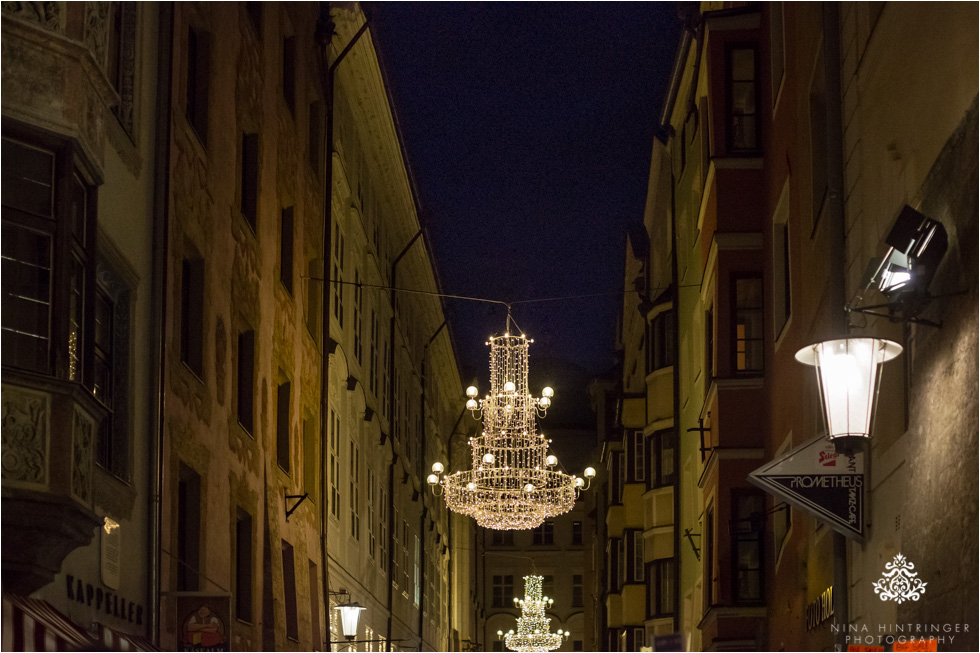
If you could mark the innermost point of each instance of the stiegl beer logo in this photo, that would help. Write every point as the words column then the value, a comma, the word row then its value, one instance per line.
column 899, row 583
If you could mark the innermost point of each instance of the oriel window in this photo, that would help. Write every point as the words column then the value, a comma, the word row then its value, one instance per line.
column 748, row 341
column 743, row 95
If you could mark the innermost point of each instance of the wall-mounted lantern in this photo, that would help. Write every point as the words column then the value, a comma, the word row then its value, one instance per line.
column 350, row 614
column 848, row 376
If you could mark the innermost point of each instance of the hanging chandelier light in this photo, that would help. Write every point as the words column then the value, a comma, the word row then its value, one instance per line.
column 513, row 483
column 533, row 628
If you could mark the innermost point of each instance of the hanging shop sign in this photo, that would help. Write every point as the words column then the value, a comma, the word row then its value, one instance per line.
column 816, row 479
column 202, row 621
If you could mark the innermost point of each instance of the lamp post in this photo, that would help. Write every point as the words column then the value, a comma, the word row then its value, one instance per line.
column 848, row 376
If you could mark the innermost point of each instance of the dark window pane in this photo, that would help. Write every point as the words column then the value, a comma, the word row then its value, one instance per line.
column 246, row 374
column 289, row 590
column 26, row 271
column 188, row 528
column 76, row 320
column 28, row 178
column 243, row 566
column 286, row 250
column 250, row 178
column 282, row 427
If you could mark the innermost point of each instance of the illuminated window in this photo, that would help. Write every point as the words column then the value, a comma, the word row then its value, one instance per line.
column 748, row 322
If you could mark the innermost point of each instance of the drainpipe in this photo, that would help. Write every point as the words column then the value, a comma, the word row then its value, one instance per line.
column 675, row 298
column 158, row 303
column 422, row 435
column 324, row 35
column 836, row 225
column 392, row 358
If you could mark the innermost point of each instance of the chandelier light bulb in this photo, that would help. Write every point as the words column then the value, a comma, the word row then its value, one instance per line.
column 547, row 392
column 472, row 404
column 488, row 458
column 437, row 467
column 552, row 460
column 432, row 479
column 579, row 482
column 529, row 487
column 544, row 402
column 471, row 485
column 589, row 472
column 509, row 386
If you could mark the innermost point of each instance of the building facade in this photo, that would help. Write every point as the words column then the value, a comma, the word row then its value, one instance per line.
column 303, row 395
column 795, row 134
column 217, row 411
column 80, row 107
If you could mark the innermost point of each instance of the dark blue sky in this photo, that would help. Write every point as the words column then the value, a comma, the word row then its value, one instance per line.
column 528, row 128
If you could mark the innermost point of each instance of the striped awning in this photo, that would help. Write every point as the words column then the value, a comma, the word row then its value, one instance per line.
column 33, row 625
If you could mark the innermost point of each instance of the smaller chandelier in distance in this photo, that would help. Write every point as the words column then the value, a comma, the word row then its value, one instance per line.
column 848, row 376
column 533, row 628
column 513, row 483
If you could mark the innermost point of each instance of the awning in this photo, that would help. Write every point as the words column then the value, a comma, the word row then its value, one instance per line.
column 33, row 625
column 115, row 640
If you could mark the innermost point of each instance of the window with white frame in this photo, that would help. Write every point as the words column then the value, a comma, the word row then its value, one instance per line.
column 372, row 491
column 638, row 455
column 334, row 464
column 418, row 572
column 373, row 363
column 354, row 481
column 383, row 540
column 337, row 275
column 358, row 306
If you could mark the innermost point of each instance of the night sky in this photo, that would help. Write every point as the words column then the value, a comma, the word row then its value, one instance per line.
column 528, row 128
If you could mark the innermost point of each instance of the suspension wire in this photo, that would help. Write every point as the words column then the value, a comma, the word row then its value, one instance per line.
column 537, row 300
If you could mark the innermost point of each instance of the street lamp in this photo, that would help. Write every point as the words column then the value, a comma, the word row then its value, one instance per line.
column 848, row 376
column 350, row 614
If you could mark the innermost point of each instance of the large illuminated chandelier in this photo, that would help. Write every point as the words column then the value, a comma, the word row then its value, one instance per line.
column 533, row 628
column 513, row 483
